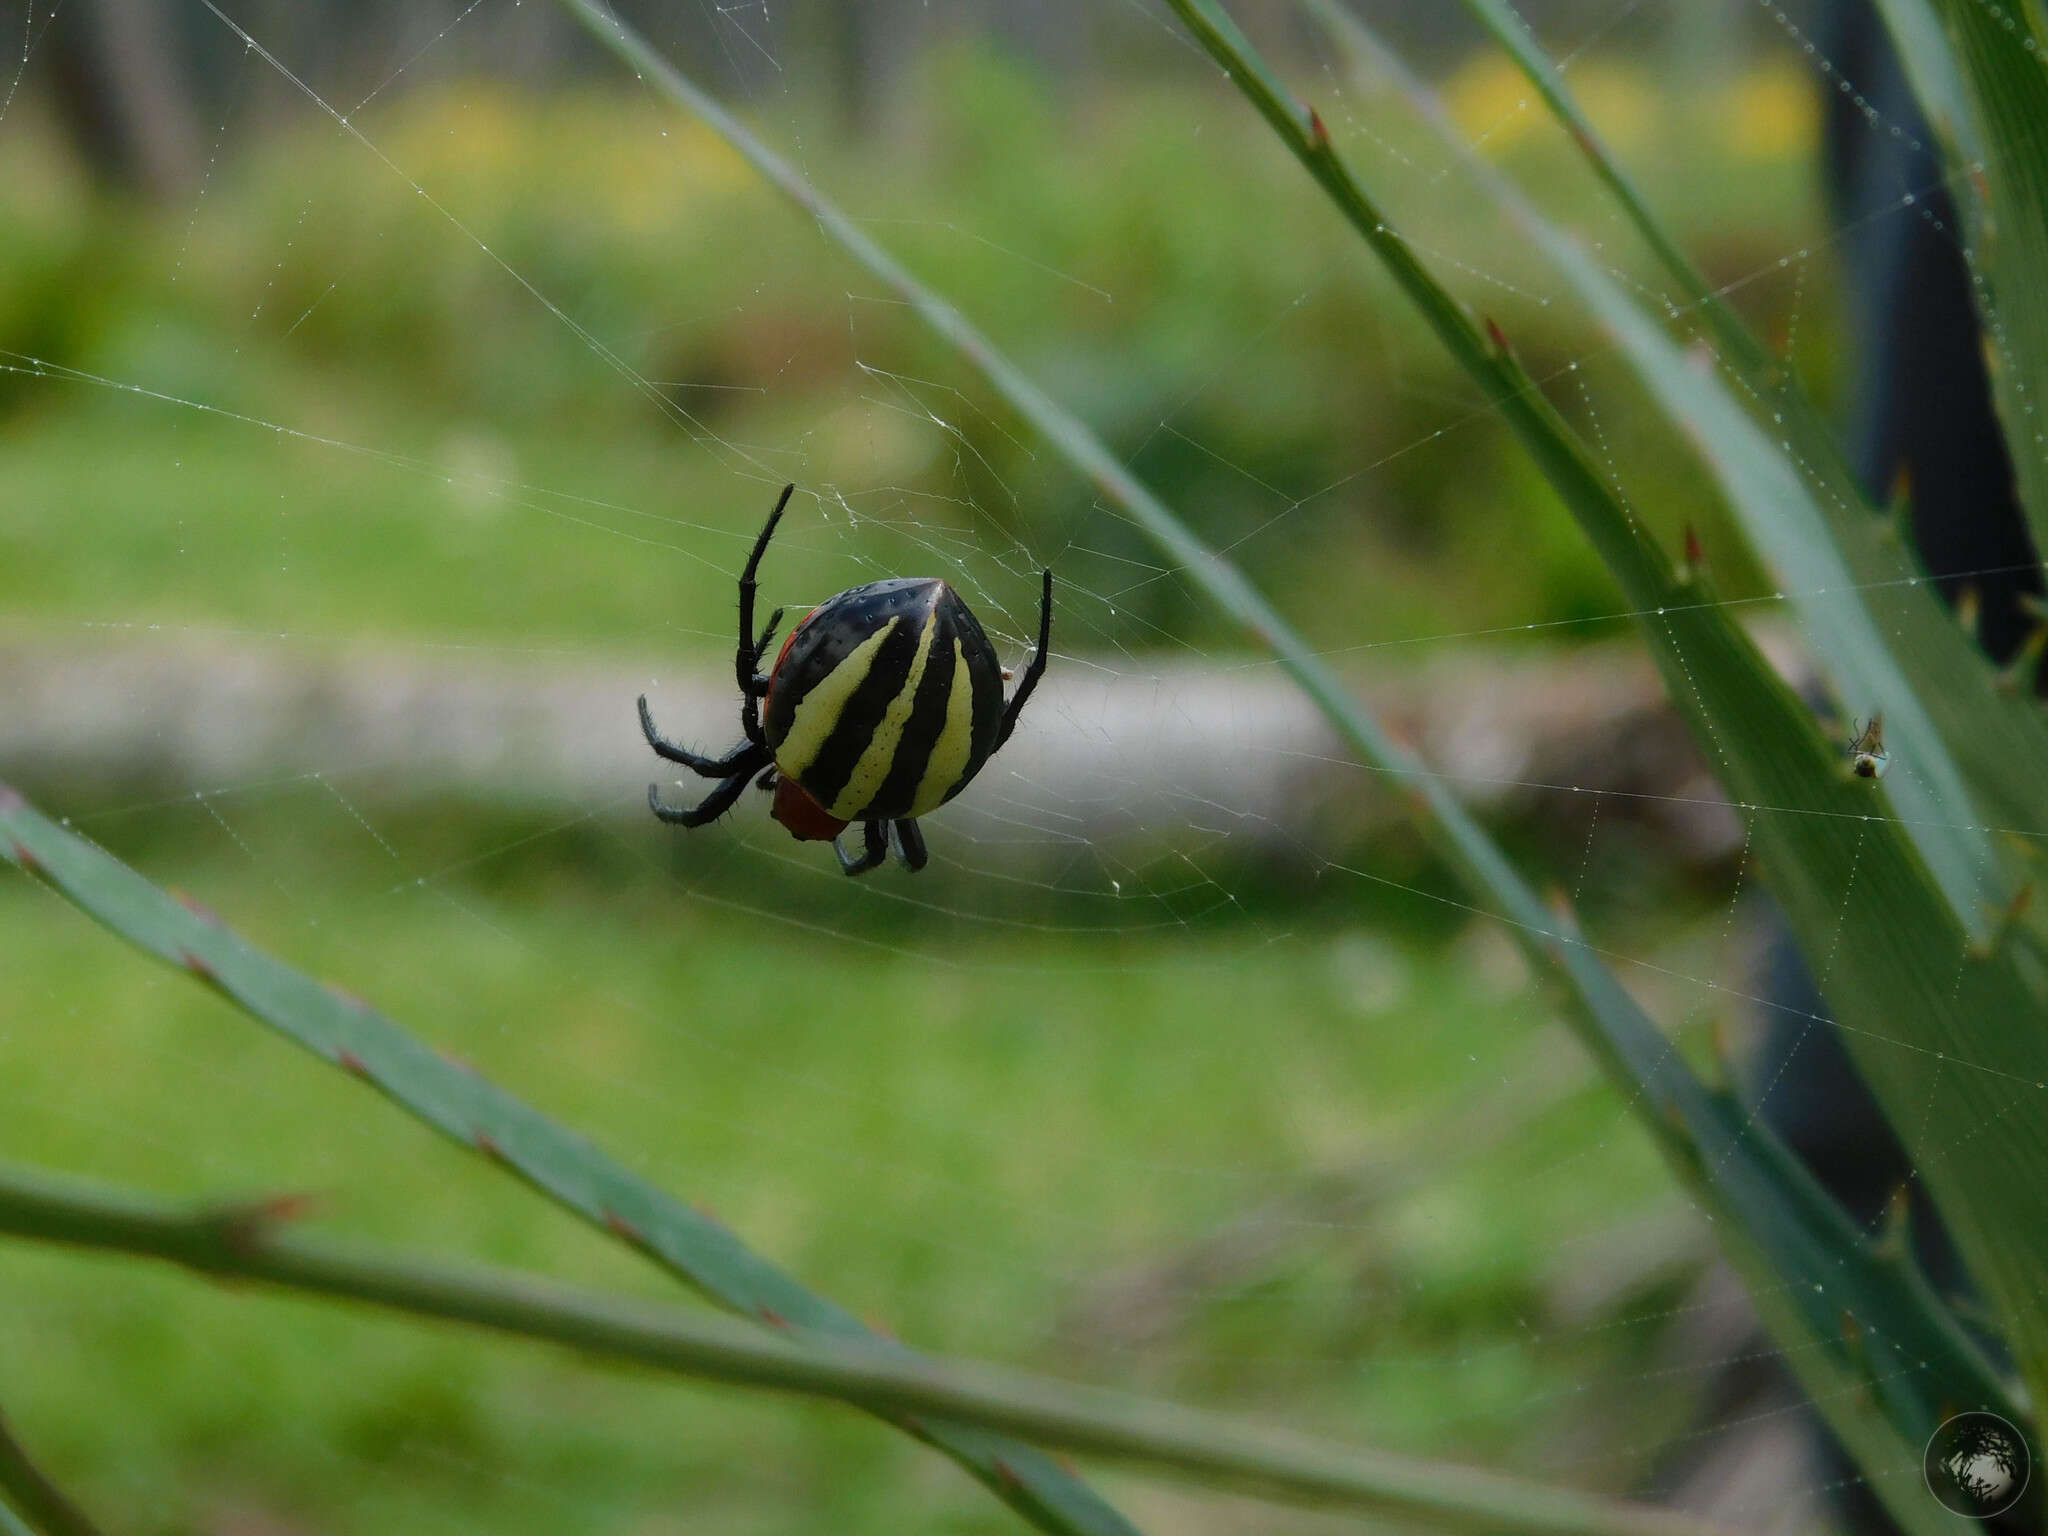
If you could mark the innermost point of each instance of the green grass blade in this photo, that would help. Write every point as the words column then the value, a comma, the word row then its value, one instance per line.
column 1783, row 517
column 250, row 1241
column 1981, row 74
column 1935, row 806
column 460, row 1103
column 1512, row 33
column 1996, row 737
column 1793, row 1233
column 1916, row 990
column 26, row 1488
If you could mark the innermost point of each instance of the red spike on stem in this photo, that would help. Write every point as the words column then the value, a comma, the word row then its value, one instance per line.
column 196, row 907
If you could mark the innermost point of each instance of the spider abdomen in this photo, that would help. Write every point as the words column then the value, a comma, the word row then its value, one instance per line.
column 886, row 700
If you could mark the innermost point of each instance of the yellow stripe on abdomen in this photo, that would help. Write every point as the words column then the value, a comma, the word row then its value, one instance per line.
column 955, row 744
column 819, row 710
column 865, row 782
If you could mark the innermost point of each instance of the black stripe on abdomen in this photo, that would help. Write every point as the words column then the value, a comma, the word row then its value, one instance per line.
column 987, row 673
column 921, row 730
column 855, row 728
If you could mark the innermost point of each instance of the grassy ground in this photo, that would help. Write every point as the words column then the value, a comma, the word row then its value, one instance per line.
column 959, row 1145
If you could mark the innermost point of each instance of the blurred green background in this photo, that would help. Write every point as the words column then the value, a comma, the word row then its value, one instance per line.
column 502, row 377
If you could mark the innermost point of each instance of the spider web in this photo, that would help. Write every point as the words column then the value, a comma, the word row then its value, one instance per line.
column 1184, row 1067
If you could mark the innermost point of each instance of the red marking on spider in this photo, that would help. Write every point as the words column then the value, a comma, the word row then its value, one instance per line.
column 349, row 1061
column 623, row 1228
column 198, row 967
column 24, row 858
column 196, row 907
column 773, row 1318
column 487, row 1144
column 1695, row 553
column 1495, row 334
column 788, row 640
column 1007, row 1475
column 1316, row 129
column 807, row 821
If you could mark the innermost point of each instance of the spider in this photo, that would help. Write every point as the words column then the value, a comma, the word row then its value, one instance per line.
column 1868, row 758
column 882, row 704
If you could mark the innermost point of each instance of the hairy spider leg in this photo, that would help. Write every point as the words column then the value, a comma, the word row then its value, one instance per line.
column 748, row 657
column 752, row 695
column 747, row 664
column 909, row 843
column 696, row 762
column 1033, row 672
column 719, row 801
column 875, row 848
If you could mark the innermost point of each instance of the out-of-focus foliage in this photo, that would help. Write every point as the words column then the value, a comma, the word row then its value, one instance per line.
column 1187, row 331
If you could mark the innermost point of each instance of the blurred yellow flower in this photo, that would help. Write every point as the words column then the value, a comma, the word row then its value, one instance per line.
column 634, row 175
column 1493, row 101
column 1772, row 113
column 1489, row 97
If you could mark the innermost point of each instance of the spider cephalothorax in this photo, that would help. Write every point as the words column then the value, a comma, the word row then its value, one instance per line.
column 881, row 706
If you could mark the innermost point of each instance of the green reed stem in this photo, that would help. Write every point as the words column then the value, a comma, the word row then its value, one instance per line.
column 251, row 1242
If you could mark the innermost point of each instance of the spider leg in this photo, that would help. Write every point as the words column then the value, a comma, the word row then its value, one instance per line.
column 696, row 762
column 909, row 843
column 1033, row 672
column 767, row 779
column 761, row 646
column 755, row 689
column 749, row 655
column 874, row 849
column 713, row 805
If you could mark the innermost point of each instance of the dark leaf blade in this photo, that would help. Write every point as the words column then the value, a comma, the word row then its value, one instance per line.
column 1981, row 74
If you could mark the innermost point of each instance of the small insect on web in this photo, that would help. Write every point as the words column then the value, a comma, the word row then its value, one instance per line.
column 882, row 705
column 1868, row 758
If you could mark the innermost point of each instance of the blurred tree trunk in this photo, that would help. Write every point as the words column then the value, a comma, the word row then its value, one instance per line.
column 125, row 95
